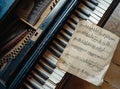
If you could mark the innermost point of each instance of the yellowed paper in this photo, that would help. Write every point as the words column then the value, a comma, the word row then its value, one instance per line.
column 89, row 52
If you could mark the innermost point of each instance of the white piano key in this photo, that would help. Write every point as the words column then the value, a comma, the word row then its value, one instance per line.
column 95, row 16
column 75, row 18
column 81, row 14
column 65, row 34
column 39, row 77
column 51, row 60
column 93, row 20
column 68, row 28
column 51, row 84
column 60, row 41
column 48, row 84
column 61, row 38
column 47, row 63
column 56, row 70
column 89, row 3
column 59, row 71
column 95, row 12
column 57, row 48
column 100, row 10
column 98, row 13
column 108, row 1
column 50, row 56
column 54, row 51
column 90, row 11
column 102, row 6
column 58, row 44
column 73, row 24
column 39, row 68
column 35, row 83
column 25, row 84
column 46, row 87
column 104, row 3
column 53, row 77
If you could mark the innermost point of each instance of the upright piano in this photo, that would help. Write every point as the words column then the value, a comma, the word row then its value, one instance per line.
column 33, row 35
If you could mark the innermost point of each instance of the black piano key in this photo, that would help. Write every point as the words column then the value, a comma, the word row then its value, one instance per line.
column 54, row 52
column 31, row 84
column 83, row 11
column 92, row 7
column 57, row 47
column 70, row 25
column 44, row 76
column 49, row 63
column 67, row 32
column 95, row 2
column 79, row 16
column 45, row 67
column 37, row 79
column 73, row 20
column 64, row 36
column 60, row 42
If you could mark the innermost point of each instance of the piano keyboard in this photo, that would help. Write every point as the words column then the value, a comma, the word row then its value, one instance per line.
column 45, row 74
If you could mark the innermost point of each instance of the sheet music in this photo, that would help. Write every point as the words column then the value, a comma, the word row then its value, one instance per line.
column 89, row 52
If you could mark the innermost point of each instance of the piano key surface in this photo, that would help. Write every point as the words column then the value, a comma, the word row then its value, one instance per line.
column 91, row 10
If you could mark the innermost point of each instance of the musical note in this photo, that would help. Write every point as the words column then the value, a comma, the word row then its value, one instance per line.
column 89, row 52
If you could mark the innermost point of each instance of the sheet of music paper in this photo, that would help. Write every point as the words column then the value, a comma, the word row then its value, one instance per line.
column 89, row 52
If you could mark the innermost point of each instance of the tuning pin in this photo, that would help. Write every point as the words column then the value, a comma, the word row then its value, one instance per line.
column 1, row 63
column 31, row 32
column 17, row 50
column 13, row 56
column 21, row 46
column 5, row 60
column 54, row 4
column 51, row 7
column 27, row 38
column 56, row 1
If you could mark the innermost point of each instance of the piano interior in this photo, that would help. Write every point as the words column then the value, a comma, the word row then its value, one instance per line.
column 33, row 35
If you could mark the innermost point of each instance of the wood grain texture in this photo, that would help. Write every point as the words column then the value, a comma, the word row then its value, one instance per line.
column 116, row 57
column 75, row 83
column 113, row 25
column 113, row 76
